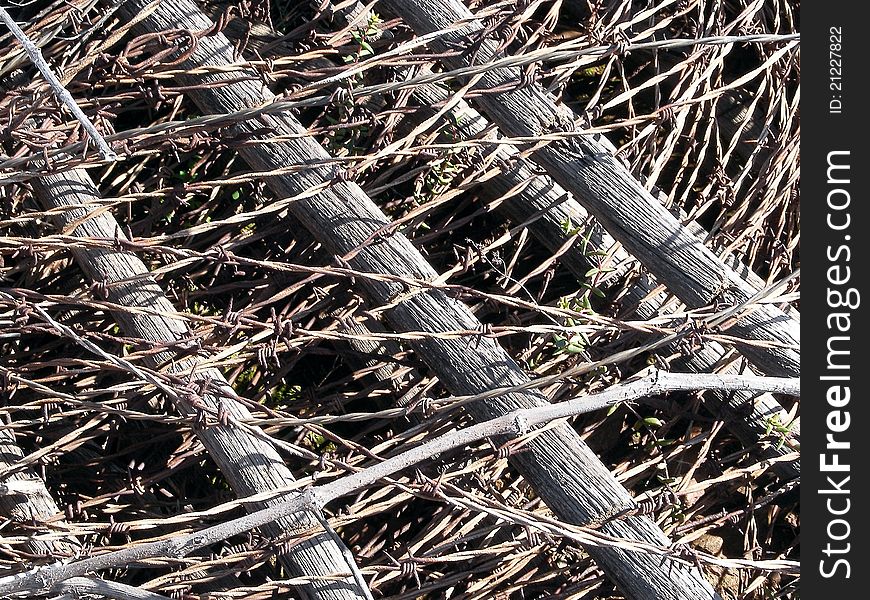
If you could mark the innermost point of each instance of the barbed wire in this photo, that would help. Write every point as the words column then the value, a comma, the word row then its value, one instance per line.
column 126, row 470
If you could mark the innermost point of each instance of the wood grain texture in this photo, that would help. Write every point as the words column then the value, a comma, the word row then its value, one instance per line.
column 249, row 462
column 565, row 472
column 544, row 206
column 33, row 509
column 584, row 165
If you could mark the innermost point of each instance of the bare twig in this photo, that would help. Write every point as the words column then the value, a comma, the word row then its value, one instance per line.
column 57, row 87
column 77, row 587
column 517, row 424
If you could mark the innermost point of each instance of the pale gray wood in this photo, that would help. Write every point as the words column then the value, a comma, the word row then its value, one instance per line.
column 544, row 207
column 584, row 165
column 250, row 463
column 565, row 472
column 34, row 507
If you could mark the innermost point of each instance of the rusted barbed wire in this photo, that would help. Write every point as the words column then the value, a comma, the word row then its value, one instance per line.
column 267, row 307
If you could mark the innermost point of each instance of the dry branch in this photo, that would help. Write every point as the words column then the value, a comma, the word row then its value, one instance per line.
column 78, row 587
column 57, row 87
column 515, row 424
column 584, row 165
column 564, row 471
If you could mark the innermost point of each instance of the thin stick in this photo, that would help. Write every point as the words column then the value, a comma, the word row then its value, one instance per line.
column 516, row 423
column 61, row 92
column 78, row 587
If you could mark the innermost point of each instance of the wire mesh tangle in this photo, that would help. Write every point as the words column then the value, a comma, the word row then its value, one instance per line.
column 185, row 347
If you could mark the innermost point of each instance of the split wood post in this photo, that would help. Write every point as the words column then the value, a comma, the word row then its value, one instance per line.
column 26, row 500
column 250, row 463
column 544, row 207
column 564, row 471
column 584, row 165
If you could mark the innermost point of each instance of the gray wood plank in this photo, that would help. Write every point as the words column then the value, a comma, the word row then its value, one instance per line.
column 585, row 166
column 544, row 206
column 250, row 463
column 564, row 471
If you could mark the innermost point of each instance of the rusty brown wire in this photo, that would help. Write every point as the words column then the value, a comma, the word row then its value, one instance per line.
column 264, row 303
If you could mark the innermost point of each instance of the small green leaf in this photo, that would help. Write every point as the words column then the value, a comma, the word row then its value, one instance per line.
column 575, row 345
